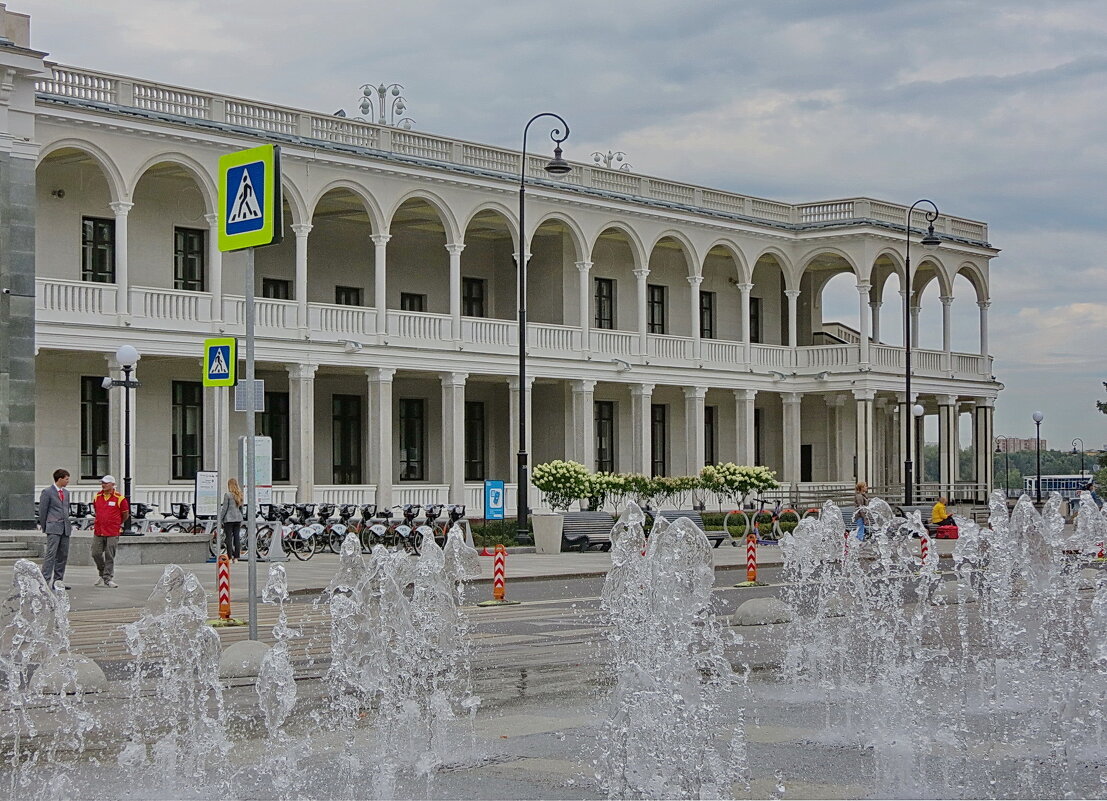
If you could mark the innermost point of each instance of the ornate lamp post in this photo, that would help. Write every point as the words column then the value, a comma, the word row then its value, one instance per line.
column 609, row 158
column 929, row 241
column 1081, row 454
column 128, row 357
column 1038, row 417
column 1006, row 466
column 557, row 166
column 388, row 112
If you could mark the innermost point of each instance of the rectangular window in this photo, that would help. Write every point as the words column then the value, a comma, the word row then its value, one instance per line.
column 188, row 429
column 710, row 435
column 346, row 438
column 412, row 301
column 604, row 425
column 707, row 315
column 659, row 439
column 655, row 308
column 276, row 288
column 189, row 254
column 474, row 441
column 472, row 297
column 273, row 422
column 98, row 250
column 755, row 321
column 95, row 428
column 757, row 438
column 413, row 438
column 605, row 302
column 347, row 295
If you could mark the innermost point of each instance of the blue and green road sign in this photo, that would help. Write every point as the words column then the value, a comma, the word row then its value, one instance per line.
column 250, row 198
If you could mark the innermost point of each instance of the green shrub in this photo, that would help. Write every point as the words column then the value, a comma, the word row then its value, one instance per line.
column 491, row 533
column 713, row 521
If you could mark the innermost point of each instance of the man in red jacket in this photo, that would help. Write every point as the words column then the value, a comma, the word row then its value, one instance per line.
column 112, row 511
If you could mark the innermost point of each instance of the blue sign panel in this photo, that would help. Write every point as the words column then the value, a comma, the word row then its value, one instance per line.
column 245, row 194
column 494, row 500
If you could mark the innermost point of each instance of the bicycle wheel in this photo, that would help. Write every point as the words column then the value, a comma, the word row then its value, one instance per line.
column 303, row 548
column 264, row 538
column 213, row 543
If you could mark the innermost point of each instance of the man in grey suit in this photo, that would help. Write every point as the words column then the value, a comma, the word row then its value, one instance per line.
column 53, row 519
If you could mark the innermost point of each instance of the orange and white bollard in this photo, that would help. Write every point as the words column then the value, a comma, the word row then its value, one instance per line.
column 751, row 563
column 924, row 545
column 223, row 572
column 499, row 580
column 1101, row 555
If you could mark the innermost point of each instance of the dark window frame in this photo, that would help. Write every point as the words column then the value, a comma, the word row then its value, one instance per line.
column 755, row 320
column 346, row 439
column 659, row 439
column 413, row 302
column 476, row 445
column 187, row 429
column 98, row 250
column 275, row 422
column 95, row 428
column 603, row 297
column 474, row 297
column 190, row 248
column 412, row 412
column 710, row 434
column 276, row 288
column 707, row 315
column 657, row 308
column 605, row 432
column 348, row 295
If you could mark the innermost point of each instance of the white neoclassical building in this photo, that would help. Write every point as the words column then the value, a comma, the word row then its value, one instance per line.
column 671, row 325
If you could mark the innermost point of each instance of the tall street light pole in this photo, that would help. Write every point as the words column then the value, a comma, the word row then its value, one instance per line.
column 929, row 241
column 1006, row 466
column 1081, row 454
column 1038, row 417
column 557, row 166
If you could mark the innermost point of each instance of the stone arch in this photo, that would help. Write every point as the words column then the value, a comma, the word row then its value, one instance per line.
column 971, row 270
column 501, row 210
column 576, row 235
column 372, row 207
column 782, row 261
column 741, row 264
column 449, row 222
column 295, row 201
column 690, row 255
column 208, row 190
column 637, row 249
column 107, row 165
column 805, row 262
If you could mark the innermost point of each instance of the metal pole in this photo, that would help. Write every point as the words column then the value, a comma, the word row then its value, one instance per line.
column 522, row 532
column 249, row 477
column 909, row 418
column 1038, row 448
column 127, row 433
column 1006, row 470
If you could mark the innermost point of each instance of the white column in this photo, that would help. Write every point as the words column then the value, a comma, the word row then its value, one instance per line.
column 583, row 417
column 694, row 282
column 947, row 442
column 793, row 305
column 116, row 421
column 380, row 255
column 791, row 435
column 381, row 446
column 834, row 404
column 880, row 442
column 301, row 230
column 747, row 335
column 983, row 439
column 862, row 316
column 642, row 276
column 454, row 250
column 915, row 309
column 984, row 306
column 301, row 425
column 947, row 358
column 744, row 424
column 864, row 434
column 584, row 269
column 694, row 442
column 513, row 420
column 904, row 425
column 215, row 268
column 874, row 309
column 453, row 434
column 122, row 274
column 641, row 396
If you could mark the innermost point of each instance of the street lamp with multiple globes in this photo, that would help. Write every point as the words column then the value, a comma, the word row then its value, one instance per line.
column 1006, row 465
column 387, row 113
column 557, row 166
column 928, row 241
column 1038, row 417
column 1081, row 454
column 128, row 357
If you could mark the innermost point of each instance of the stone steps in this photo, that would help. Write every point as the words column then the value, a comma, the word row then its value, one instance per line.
column 11, row 549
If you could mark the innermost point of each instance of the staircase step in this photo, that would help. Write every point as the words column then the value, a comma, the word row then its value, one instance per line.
column 11, row 556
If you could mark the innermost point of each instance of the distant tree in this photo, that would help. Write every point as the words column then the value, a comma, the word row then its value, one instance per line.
column 1102, row 405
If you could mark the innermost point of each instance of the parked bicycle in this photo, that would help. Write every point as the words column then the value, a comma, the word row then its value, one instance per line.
column 402, row 533
column 337, row 529
column 286, row 524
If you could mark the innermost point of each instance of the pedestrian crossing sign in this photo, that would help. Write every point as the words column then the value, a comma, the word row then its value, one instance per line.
column 250, row 201
column 220, row 361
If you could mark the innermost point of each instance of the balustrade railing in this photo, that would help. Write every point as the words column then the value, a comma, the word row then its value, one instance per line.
column 771, row 355
column 722, row 352
column 81, row 84
column 419, row 325
column 485, row 331
column 171, row 304
column 827, row 355
column 615, row 343
column 670, row 347
column 555, row 338
column 336, row 319
column 74, row 297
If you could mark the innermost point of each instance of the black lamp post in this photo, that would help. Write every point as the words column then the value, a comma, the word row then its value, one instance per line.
column 1006, row 466
column 128, row 357
column 557, row 166
column 1081, row 454
column 1038, row 417
column 930, row 241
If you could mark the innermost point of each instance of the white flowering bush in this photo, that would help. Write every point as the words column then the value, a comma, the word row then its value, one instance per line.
column 606, row 488
column 733, row 482
column 562, row 482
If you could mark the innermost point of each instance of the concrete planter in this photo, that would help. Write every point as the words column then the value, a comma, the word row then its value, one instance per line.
column 547, row 532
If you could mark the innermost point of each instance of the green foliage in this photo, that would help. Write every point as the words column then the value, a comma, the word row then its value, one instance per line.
column 494, row 532
column 1102, row 405
column 713, row 521
column 563, row 483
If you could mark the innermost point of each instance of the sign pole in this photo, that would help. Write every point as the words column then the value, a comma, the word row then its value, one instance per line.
column 251, row 490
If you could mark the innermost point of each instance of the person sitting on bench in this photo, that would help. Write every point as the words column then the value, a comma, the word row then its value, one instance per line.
column 939, row 516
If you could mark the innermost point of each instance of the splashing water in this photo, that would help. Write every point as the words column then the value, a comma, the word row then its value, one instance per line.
column 665, row 738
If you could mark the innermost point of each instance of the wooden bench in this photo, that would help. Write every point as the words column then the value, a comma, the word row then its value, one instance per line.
column 716, row 537
column 585, row 530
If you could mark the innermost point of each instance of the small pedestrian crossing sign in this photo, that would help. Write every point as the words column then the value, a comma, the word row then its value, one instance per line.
column 250, row 198
column 220, row 361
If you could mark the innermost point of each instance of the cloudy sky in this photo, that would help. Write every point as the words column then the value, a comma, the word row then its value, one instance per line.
column 997, row 111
